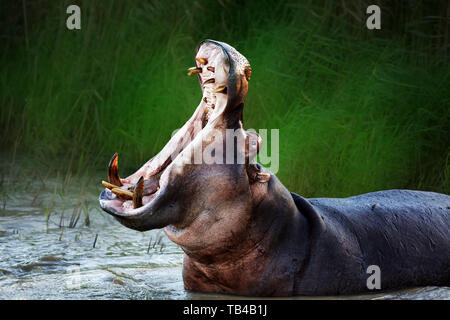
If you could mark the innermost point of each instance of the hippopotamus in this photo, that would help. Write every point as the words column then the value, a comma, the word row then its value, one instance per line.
column 244, row 233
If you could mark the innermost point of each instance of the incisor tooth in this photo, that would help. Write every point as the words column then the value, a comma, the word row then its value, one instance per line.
column 122, row 193
column 109, row 185
column 211, row 80
column 202, row 60
column 194, row 70
column 221, row 89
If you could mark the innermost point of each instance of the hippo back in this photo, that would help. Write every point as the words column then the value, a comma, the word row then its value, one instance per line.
column 406, row 233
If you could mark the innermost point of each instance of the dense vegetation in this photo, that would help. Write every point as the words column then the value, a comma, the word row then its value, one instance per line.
column 358, row 110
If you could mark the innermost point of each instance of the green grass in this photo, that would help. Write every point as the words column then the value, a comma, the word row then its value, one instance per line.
column 357, row 110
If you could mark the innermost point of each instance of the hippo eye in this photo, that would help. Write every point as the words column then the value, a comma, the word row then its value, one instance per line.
column 248, row 72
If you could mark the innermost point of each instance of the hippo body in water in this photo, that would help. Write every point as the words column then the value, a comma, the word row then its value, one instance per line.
column 244, row 233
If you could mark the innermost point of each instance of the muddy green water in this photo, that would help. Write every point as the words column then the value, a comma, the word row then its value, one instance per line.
column 47, row 259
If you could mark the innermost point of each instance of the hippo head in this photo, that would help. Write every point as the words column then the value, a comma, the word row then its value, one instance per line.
column 201, row 187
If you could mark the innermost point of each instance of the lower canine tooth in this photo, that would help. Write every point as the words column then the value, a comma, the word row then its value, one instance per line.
column 221, row 89
column 138, row 191
column 123, row 193
column 194, row 70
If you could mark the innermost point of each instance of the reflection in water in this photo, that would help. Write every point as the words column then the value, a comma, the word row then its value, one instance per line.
column 45, row 254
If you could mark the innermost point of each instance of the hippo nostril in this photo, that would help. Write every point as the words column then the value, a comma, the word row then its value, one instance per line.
column 212, row 69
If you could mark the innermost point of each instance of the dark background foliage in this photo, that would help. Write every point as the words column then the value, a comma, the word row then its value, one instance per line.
column 358, row 110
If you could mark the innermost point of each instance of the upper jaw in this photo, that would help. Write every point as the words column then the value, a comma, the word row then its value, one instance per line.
column 235, row 74
column 230, row 72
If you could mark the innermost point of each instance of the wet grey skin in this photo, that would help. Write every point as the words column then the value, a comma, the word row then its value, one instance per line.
column 244, row 233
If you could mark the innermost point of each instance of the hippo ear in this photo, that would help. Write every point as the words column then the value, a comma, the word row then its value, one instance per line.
column 255, row 174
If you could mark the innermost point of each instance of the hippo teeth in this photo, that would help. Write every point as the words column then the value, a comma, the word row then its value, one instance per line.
column 118, row 191
column 202, row 60
column 212, row 67
column 194, row 70
column 221, row 89
column 212, row 83
column 122, row 193
column 127, row 192
column 113, row 171
column 108, row 185
column 211, row 80
column 138, row 191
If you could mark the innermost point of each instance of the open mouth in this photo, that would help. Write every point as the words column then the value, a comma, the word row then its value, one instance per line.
column 219, row 68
